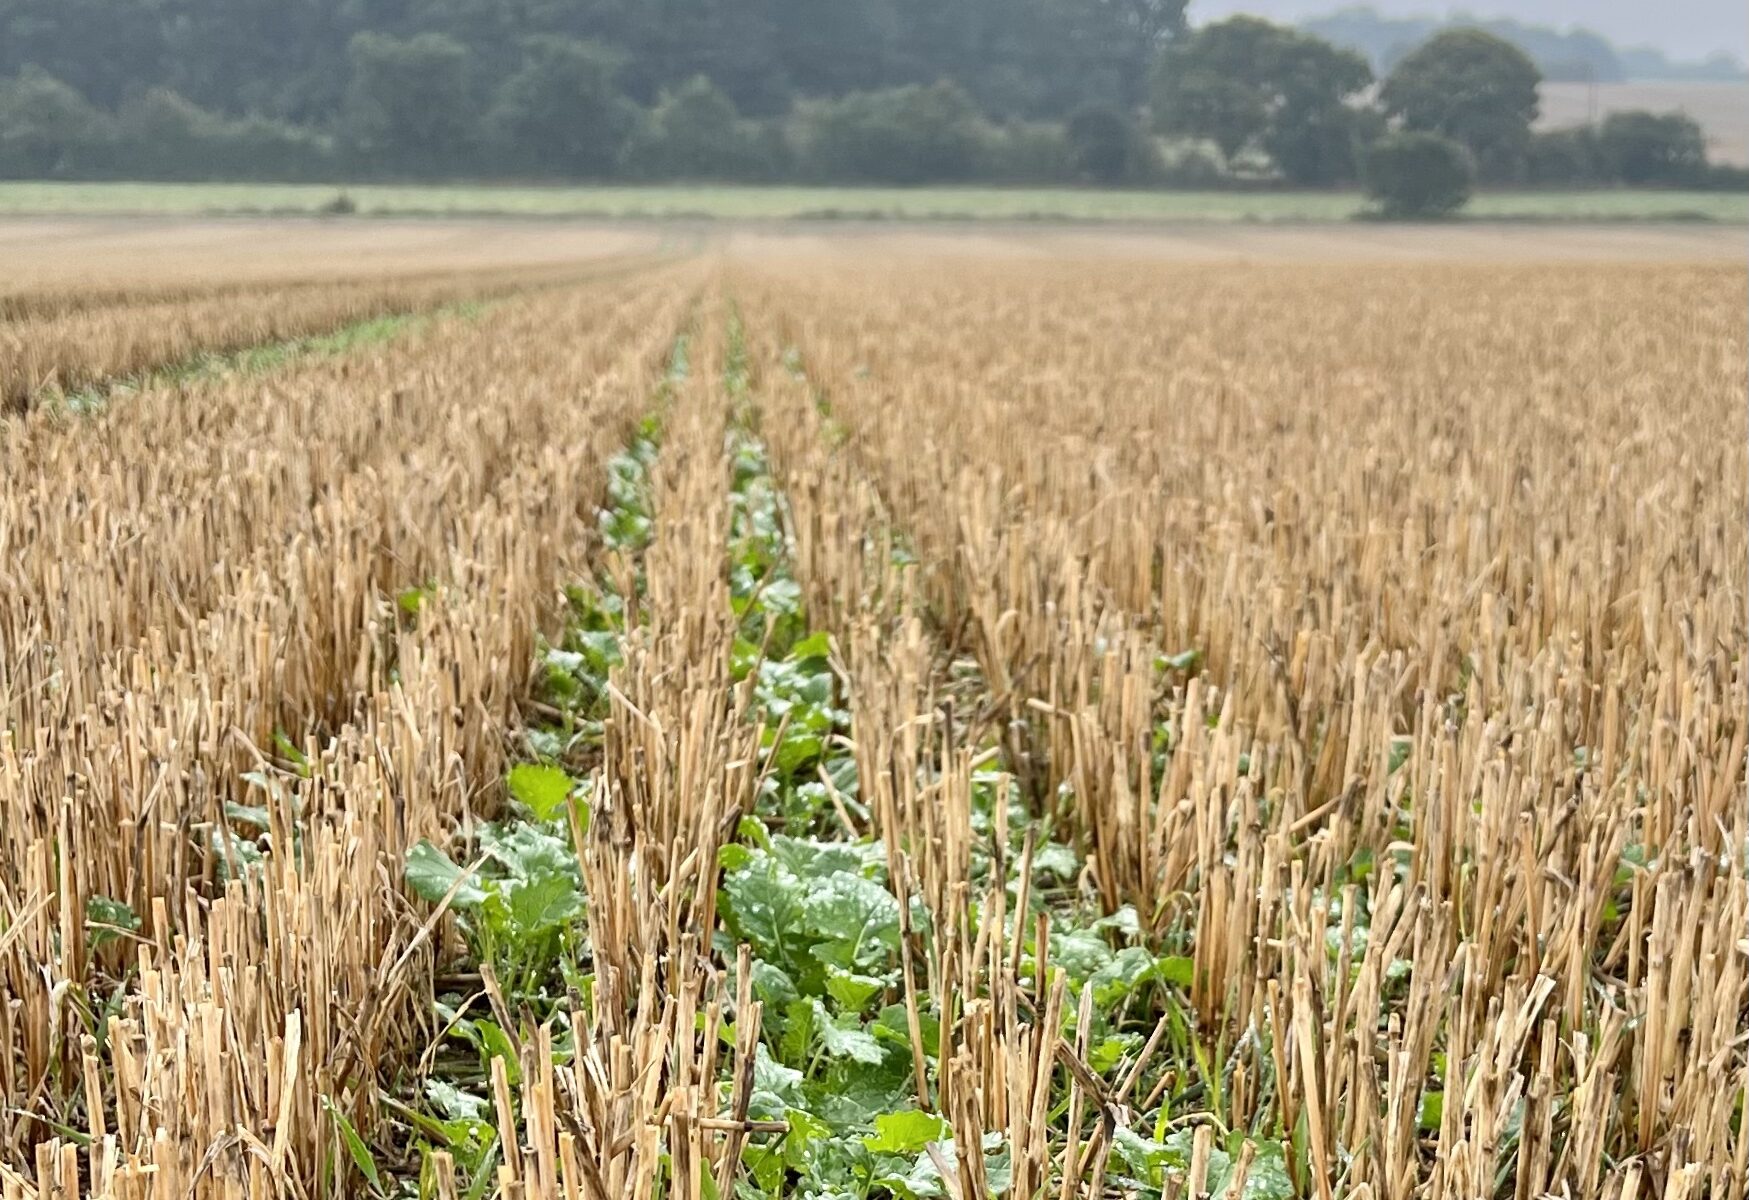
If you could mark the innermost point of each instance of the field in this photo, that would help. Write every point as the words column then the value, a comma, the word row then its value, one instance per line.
column 842, row 203
column 541, row 712
column 1721, row 108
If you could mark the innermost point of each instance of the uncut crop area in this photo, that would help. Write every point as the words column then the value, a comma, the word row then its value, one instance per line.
column 871, row 717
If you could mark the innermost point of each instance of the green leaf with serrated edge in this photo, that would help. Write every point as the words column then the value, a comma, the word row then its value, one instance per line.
column 541, row 789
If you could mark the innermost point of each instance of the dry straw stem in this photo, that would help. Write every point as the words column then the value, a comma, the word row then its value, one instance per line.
column 1460, row 554
column 56, row 340
column 57, row 267
column 259, row 540
column 1448, row 802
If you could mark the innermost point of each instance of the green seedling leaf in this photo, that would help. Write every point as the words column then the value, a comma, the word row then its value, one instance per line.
column 430, row 873
column 852, row 992
column 544, row 903
column 497, row 1044
column 845, row 1038
column 361, row 1155
column 454, row 1103
column 108, row 920
column 905, row 1132
column 541, row 789
column 1177, row 970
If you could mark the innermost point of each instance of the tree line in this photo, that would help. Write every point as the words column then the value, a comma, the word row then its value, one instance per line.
column 1115, row 92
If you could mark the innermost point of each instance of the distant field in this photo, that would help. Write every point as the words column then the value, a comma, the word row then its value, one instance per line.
column 1721, row 108
column 790, row 203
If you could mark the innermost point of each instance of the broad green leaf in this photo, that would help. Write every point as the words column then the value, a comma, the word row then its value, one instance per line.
column 815, row 645
column 905, row 1132
column 545, row 902
column 852, row 992
column 1145, row 1158
column 1123, row 921
column 431, row 874
column 1080, row 952
column 454, row 1103
column 108, row 920
column 764, row 906
column 1177, row 970
column 1267, row 1180
column 1122, row 975
column 540, row 788
column 529, row 852
column 848, row 1040
column 859, row 916
column 772, row 985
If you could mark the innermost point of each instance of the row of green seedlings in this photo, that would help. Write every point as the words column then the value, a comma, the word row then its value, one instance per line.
column 520, row 906
column 268, row 356
column 1139, row 983
column 809, row 895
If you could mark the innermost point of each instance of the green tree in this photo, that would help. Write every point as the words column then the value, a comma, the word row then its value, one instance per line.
column 1563, row 157
column 409, row 103
column 47, row 129
column 905, row 135
column 694, row 132
column 1245, row 83
column 1100, row 140
column 1666, row 149
column 1471, row 86
column 562, row 113
column 1413, row 173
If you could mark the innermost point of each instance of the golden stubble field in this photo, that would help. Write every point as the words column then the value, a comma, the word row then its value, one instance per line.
column 812, row 714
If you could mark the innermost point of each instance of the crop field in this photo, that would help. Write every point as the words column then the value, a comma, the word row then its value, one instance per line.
column 872, row 718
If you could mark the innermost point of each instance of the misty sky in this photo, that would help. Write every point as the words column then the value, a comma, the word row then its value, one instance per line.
column 1684, row 28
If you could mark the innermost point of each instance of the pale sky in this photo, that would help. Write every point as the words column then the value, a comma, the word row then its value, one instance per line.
column 1682, row 28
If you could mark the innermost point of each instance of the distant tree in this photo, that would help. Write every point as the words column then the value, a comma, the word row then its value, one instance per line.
column 409, row 103
column 1204, row 84
column 1244, row 83
column 163, row 135
column 1471, row 86
column 1322, row 145
column 1564, row 157
column 1639, row 147
column 694, row 132
column 47, row 129
column 1029, row 152
column 562, row 114
column 1100, row 139
column 905, row 135
column 1417, row 174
